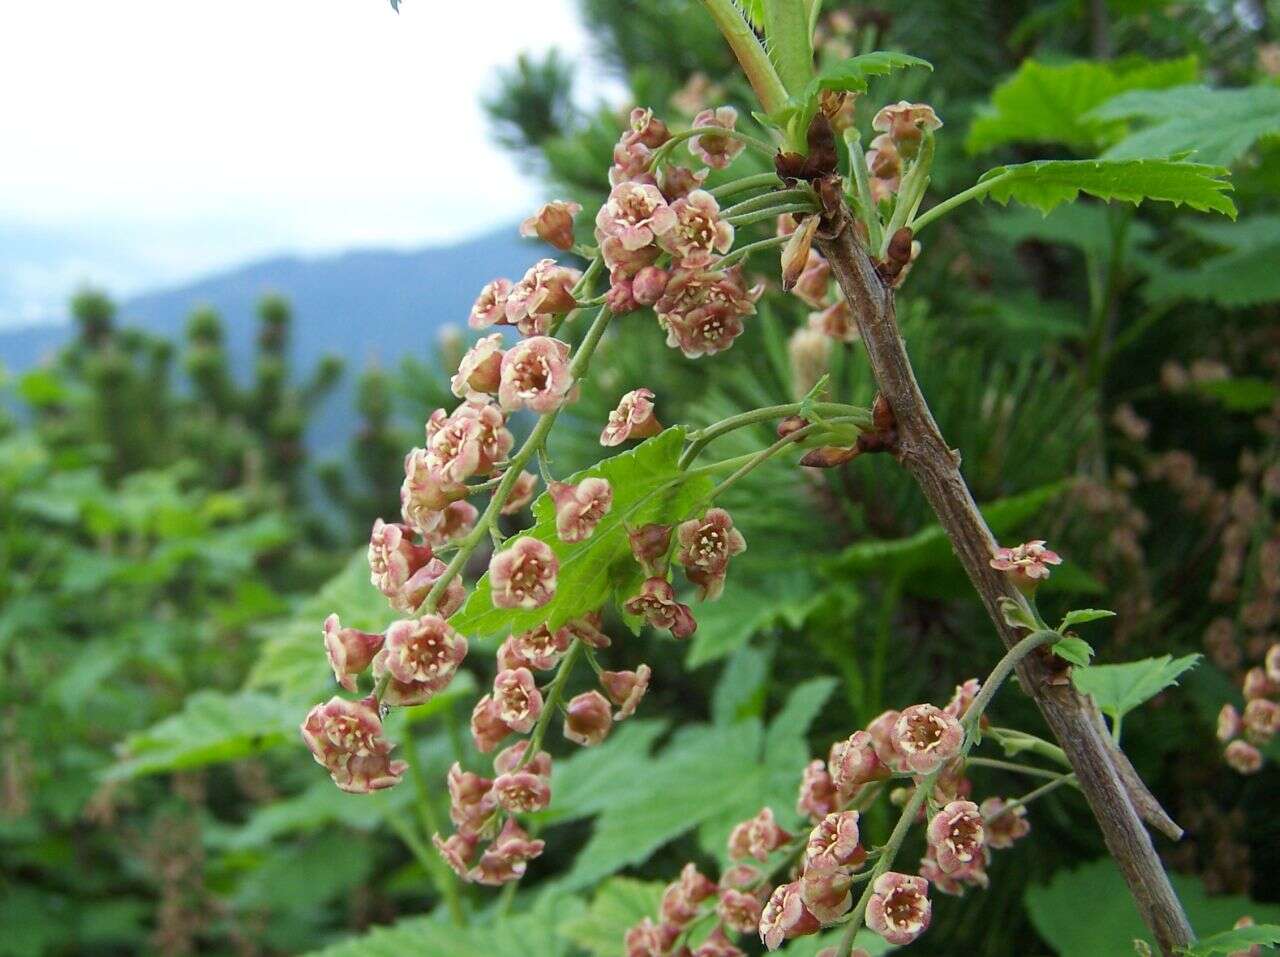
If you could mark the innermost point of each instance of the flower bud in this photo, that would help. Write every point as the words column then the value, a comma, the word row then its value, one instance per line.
column 553, row 224
column 626, row 688
column 588, row 719
column 350, row 651
column 649, row 285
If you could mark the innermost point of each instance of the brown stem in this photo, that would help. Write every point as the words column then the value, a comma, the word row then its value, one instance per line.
column 936, row 467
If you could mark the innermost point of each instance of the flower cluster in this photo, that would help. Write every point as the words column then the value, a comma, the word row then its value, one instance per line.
column 826, row 862
column 1246, row 732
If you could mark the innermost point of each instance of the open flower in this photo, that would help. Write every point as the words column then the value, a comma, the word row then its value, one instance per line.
column 524, row 575
column 1027, row 564
column 393, row 556
column 785, row 917
column 926, row 737
column 957, row 837
column 580, row 507
column 535, row 375
column 522, row 490
column 421, row 657
column 853, row 762
column 958, row 881
column 487, row 727
column 699, row 232
column 757, row 837
column 346, row 738
column 646, row 128
column 553, row 223
column 426, row 491
column 448, row 524
column 587, row 718
column 539, row 649
column 545, row 291
column 635, row 214
column 657, row 604
column 826, row 893
column 458, row 851
column 706, row 545
column 739, row 910
column 483, row 423
column 1243, row 758
column 625, row 263
column 479, row 369
column 471, row 800
column 518, row 700
column 490, row 307
column 522, row 792
column 349, row 650
column 1261, row 720
column 1003, row 824
column 632, row 419
column 506, row 859
column 714, row 146
column 626, row 688
column 817, row 792
column 834, row 843
column 905, row 123
column 899, row 909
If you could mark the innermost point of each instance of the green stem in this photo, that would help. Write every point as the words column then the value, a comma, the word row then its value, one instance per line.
column 1015, row 742
column 786, row 27
column 703, row 437
column 663, row 153
column 767, row 199
column 551, row 701
column 911, row 192
column 947, row 205
column 870, row 215
column 746, row 47
column 746, row 219
column 758, row 181
column 742, row 252
column 445, row 879
column 1058, row 781
column 1028, row 769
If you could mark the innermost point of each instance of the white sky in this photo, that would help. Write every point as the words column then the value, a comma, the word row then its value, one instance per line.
column 145, row 141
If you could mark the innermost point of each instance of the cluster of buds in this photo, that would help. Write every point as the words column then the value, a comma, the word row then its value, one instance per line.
column 900, row 128
column 1246, row 733
column 661, row 235
column 806, row 274
column 827, row 861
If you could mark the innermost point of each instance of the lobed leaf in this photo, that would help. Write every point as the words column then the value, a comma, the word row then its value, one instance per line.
column 1118, row 689
column 647, row 487
column 1082, row 615
column 1046, row 184
column 1235, row 941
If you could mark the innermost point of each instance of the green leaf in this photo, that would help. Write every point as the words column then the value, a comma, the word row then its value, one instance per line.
column 1044, row 103
column 211, row 727
column 851, row 75
column 647, row 487
column 620, row 903
column 1217, row 126
column 1072, row 649
column 1082, row 615
column 1242, row 393
column 1046, row 184
column 1086, row 226
column 1235, row 280
column 750, row 604
column 1230, row 941
column 1118, row 689
column 1098, row 890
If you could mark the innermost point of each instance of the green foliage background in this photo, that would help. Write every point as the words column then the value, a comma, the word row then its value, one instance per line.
column 1111, row 375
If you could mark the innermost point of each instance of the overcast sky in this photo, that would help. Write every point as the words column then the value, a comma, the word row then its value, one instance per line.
column 146, row 141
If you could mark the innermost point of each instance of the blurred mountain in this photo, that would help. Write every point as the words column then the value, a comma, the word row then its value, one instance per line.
column 363, row 305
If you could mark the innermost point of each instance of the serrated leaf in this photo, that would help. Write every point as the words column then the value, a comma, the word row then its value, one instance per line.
column 1216, row 126
column 851, row 75
column 1082, row 615
column 620, row 903
column 1118, row 689
column 1236, row 280
column 1234, row 941
column 1046, row 184
column 1044, row 103
column 1072, row 649
column 647, row 487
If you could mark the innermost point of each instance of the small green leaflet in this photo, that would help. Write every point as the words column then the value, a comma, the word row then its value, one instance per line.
column 647, row 487
column 1118, row 689
column 1233, row 941
column 1082, row 615
column 1046, row 184
column 1218, row 126
column 851, row 75
column 1072, row 649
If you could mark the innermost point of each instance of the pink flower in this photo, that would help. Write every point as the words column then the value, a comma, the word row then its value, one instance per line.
column 451, row 522
column 394, row 560
column 635, row 214
column 715, row 147
column 1257, row 685
column 620, row 298
column 546, row 291
column 757, row 837
column 834, row 843
column 1271, row 664
column 453, row 445
column 740, row 876
column 881, row 732
column 524, row 575
column 346, row 738
column 702, row 312
column 899, row 909
column 681, row 898
column 854, row 762
column 699, row 231
column 587, row 630
column 625, row 263
column 633, row 418
column 1027, row 564
column 535, row 375
column 422, row 656
column 647, row 939
column 426, row 491
column 883, row 161
column 958, row 881
column 649, row 546
column 553, row 223
column 521, row 792
column 471, row 800
column 814, row 281
column 657, row 604
column 718, row 945
column 706, row 545
column 587, row 719
column 957, row 837
column 539, row 649
column 826, row 893
column 1003, row 825
column 739, row 910
column 646, row 129
column 926, row 737
column 487, row 727
column 835, row 321
column 1261, row 720
column 414, row 592
column 1229, row 725
column 631, row 160
column 785, row 917
column 1243, row 757
column 522, row 490
column 962, row 698
column 904, row 122
column 625, row 689
column 479, row 369
column 518, row 699
column 457, row 852
column 676, row 182
column 817, row 792
column 507, row 857
column 649, row 285
column 350, row 651
column 491, row 305
column 579, row 508
column 512, row 759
